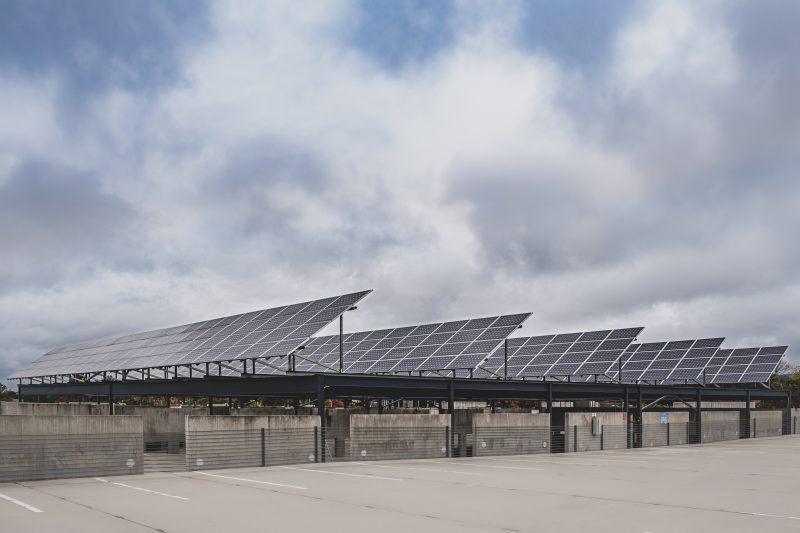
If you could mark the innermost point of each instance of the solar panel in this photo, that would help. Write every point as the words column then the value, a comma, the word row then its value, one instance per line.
column 667, row 362
column 443, row 346
column 575, row 356
column 259, row 334
column 746, row 365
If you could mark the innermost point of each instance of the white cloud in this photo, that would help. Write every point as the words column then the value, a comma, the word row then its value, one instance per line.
column 286, row 165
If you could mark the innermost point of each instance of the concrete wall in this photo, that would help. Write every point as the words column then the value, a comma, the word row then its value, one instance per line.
column 510, row 433
column 795, row 421
column 238, row 441
column 375, row 437
column 52, row 409
column 578, row 432
column 657, row 431
column 720, row 425
column 766, row 423
column 52, row 447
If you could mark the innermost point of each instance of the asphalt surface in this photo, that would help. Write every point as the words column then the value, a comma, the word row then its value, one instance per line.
column 748, row 485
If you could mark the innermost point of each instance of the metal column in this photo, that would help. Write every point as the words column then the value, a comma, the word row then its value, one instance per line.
column 639, row 409
column 110, row 399
column 341, row 343
column 321, row 413
column 699, row 414
column 505, row 359
column 749, row 417
column 627, row 419
column 451, row 398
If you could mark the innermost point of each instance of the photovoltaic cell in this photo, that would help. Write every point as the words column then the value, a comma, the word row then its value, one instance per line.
column 745, row 365
column 443, row 346
column 267, row 333
column 577, row 356
column 667, row 362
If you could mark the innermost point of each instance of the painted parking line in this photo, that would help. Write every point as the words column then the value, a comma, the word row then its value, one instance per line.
column 141, row 489
column 493, row 466
column 539, row 461
column 254, row 481
column 317, row 471
column 418, row 469
column 31, row 508
column 767, row 515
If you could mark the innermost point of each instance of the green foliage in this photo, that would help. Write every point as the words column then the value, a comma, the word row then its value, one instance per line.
column 788, row 382
column 6, row 394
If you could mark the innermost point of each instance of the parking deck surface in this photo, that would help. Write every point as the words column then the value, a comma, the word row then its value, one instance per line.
column 748, row 485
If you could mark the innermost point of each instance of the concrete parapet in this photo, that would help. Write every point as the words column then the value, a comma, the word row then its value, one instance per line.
column 665, row 428
column 374, row 437
column 720, row 425
column 510, row 433
column 240, row 441
column 766, row 423
column 52, row 409
column 578, row 434
column 52, row 447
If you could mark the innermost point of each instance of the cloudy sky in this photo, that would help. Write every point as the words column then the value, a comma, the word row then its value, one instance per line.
column 600, row 164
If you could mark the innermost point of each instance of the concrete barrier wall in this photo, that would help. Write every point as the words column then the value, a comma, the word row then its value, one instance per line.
column 52, row 447
column 52, row 409
column 375, row 437
column 510, row 433
column 669, row 428
column 578, row 432
column 766, row 423
column 238, row 441
column 720, row 425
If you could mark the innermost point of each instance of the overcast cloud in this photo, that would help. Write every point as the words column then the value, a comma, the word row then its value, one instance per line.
column 599, row 164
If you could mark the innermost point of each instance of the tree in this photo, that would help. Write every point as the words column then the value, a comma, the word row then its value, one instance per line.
column 788, row 382
column 6, row 394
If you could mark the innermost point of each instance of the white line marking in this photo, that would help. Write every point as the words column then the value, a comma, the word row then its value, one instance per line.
column 254, row 481
column 101, row 479
column 772, row 515
column 495, row 466
column 21, row 504
column 420, row 469
column 341, row 473
column 149, row 491
column 542, row 462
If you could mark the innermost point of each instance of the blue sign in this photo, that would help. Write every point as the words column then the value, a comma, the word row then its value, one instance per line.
column 664, row 419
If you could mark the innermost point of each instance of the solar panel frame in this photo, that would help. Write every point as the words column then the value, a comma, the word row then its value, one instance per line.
column 441, row 346
column 209, row 341
column 580, row 356
column 746, row 365
column 667, row 361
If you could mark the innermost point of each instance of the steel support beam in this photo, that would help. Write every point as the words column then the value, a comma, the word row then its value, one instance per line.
column 321, row 413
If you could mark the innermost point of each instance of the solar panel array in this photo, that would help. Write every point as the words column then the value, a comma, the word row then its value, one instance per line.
column 667, row 362
column 460, row 344
column 744, row 365
column 574, row 356
column 267, row 333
